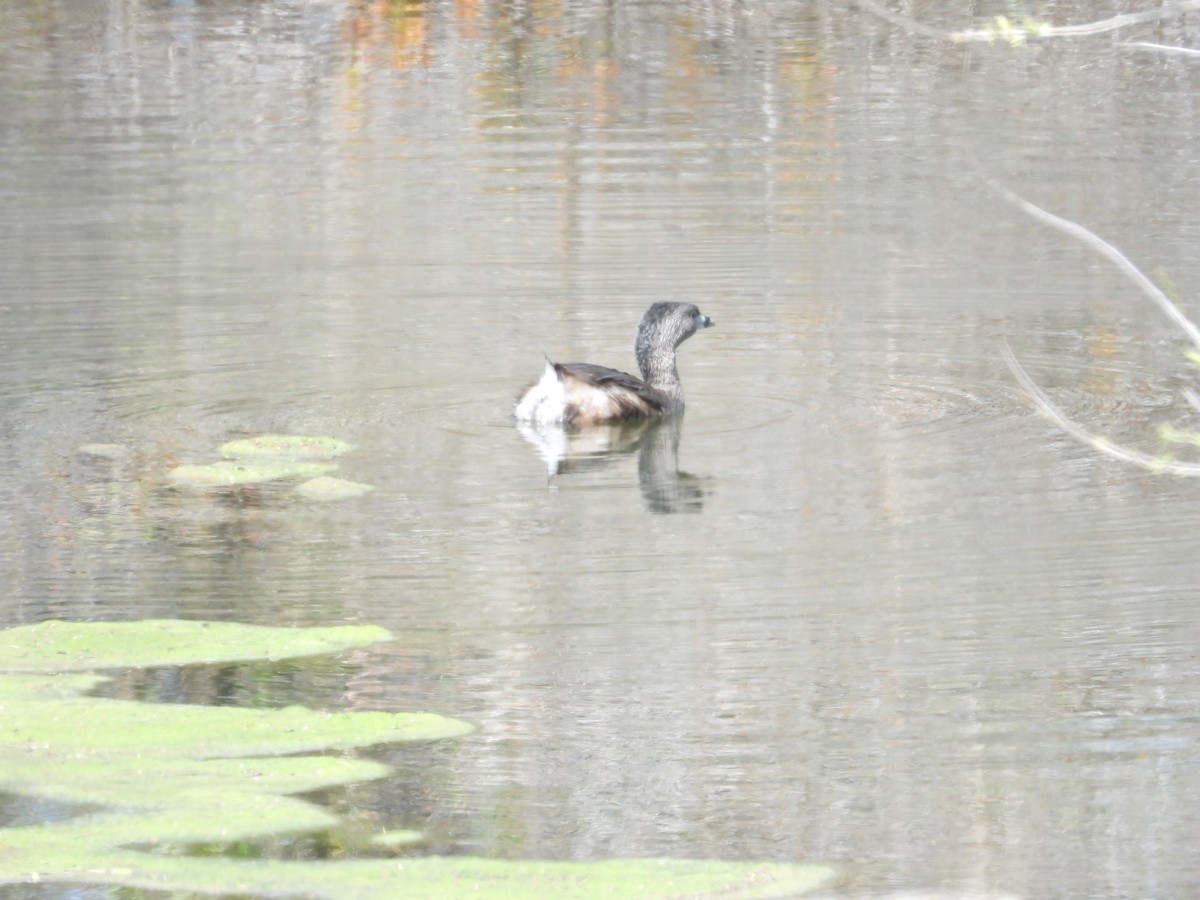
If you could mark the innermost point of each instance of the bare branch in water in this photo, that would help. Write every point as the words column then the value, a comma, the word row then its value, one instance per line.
column 1149, row 288
column 1018, row 31
column 1160, row 48
column 1124, row 20
column 1039, row 398
column 1074, row 429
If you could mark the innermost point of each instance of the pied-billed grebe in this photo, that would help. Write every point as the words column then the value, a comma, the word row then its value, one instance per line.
column 584, row 394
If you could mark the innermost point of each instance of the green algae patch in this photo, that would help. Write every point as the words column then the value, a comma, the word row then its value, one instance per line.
column 55, row 646
column 449, row 878
column 150, row 781
column 177, row 801
column 85, row 727
column 326, row 487
column 286, row 446
column 233, row 472
column 274, row 457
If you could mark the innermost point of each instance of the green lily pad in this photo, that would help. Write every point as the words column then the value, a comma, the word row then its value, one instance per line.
column 89, row 726
column 55, row 646
column 443, row 877
column 163, row 777
column 183, row 801
column 230, row 472
column 286, row 446
column 326, row 487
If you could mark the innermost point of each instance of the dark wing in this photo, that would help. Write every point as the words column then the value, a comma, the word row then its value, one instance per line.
column 600, row 394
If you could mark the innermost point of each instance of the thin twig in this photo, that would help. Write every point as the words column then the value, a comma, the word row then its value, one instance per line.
column 1077, row 431
column 1041, row 401
column 1018, row 31
column 1160, row 48
column 1149, row 288
column 1124, row 20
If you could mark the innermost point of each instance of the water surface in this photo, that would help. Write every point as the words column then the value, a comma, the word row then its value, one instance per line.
column 870, row 611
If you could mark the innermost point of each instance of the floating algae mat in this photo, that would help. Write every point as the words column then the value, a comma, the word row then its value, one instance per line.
column 171, row 775
column 286, row 446
column 274, row 457
column 326, row 487
column 91, row 646
column 230, row 472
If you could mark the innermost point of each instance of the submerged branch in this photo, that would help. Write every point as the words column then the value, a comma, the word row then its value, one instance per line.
column 1124, row 20
column 1097, row 243
column 1018, row 31
column 1160, row 48
column 1039, row 398
column 1155, row 464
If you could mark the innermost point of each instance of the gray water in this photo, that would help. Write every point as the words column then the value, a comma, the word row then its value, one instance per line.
column 871, row 610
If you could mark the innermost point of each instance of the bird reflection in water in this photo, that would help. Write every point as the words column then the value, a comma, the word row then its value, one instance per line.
column 575, row 451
